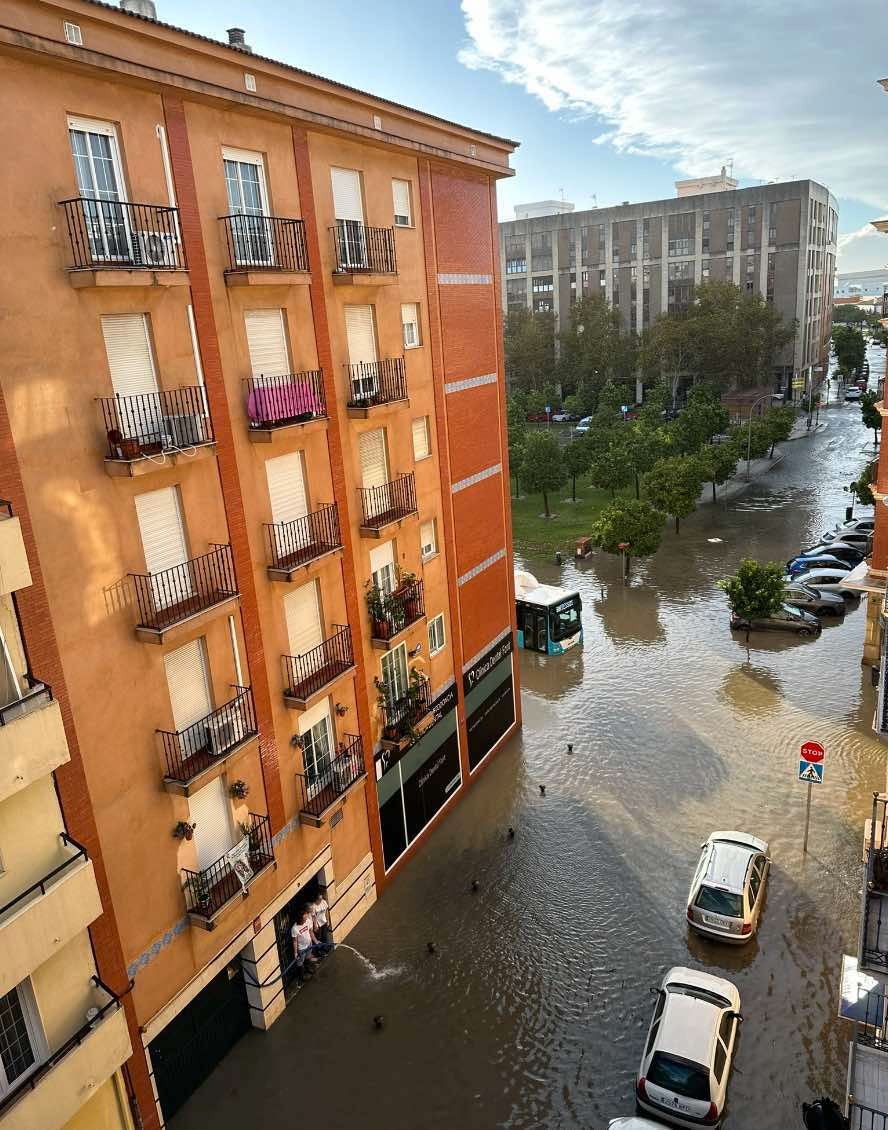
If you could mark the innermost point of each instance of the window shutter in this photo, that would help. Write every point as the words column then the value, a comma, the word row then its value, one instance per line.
column 210, row 812
column 129, row 354
column 303, row 615
column 347, row 202
column 427, row 538
column 360, row 333
column 374, row 469
column 187, row 681
column 286, row 487
column 401, row 201
column 421, row 438
column 310, row 718
column 267, row 342
column 381, row 556
column 160, row 524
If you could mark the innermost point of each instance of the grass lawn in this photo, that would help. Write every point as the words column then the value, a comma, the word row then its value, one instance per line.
column 537, row 536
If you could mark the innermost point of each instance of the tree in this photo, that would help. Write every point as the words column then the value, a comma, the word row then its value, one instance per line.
column 779, row 423
column 644, row 445
column 612, row 467
column 861, row 488
column 718, row 461
column 542, row 467
column 673, row 485
column 577, row 461
column 757, row 446
column 703, row 418
column 870, row 415
column 850, row 314
column 628, row 522
column 517, row 442
column 850, row 347
column 594, row 348
column 756, row 591
column 529, row 349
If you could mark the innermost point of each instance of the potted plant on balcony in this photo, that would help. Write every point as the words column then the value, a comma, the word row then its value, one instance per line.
column 416, row 696
column 409, row 596
column 390, row 730
column 199, row 892
column 125, row 448
column 253, row 832
column 183, row 830
column 239, row 789
column 376, row 603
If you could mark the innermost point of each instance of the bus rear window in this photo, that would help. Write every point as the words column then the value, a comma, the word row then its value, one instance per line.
column 720, row 902
column 565, row 619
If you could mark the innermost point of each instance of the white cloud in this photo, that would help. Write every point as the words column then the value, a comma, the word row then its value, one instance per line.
column 862, row 250
column 787, row 90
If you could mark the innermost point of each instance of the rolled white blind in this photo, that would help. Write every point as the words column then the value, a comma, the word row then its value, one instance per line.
column 360, row 333
column 401, row 201
column 374, row 469
column 286, row 487
column 267, row 342
column 347, row 203
column 129, row 354
column 160, row 524
column 303, row 615
column 421, row 438
column 210, row 812
column 187, row 682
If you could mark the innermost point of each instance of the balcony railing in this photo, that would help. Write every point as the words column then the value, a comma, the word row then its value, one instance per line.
column 871, row 1019
column 42, row 884
column 115, row 234
column 33, row 694
column 392, row 612
column 152, row 423
column 371, row 383
column 175, row 594
column 190, row 751
column 290, row 398
column 865, row 1118
column 305, row 675
column 875, row 915
column 359, row 248
column 388, row 502
column 207, row 891
column 265, row 243
column 291, row 544
column 326, row 781
column 403, row 714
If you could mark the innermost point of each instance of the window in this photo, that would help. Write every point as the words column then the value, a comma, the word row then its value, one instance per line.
column 422, row 447
column 21, row 1039
column 721, row 1058
column 436, row 634
column 382, row 567
column 401, row 200
column 543, row 284
column 159, row 515
column 410, row 323
column 541, row 251
column 248, row 204
column 99, row 174
column 516, row 294
column 565, row 619
column 316, row 733
column 516, row 255
column 679, row 1076
column 704, row 269
column 720, row 902
column 750, row 264
column 188, row 686
column 73, row 34
column 428, row 539
column 394, row 673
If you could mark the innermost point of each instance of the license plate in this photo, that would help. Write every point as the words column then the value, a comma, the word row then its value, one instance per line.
column 717, row 921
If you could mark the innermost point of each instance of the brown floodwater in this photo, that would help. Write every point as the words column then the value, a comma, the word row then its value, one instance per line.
column 533, row 1009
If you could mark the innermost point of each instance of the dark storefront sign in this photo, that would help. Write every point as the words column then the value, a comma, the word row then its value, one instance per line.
column 490, row 702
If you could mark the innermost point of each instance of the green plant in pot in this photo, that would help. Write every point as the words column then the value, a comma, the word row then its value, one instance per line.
column 199, row 891
column 376, row 607
column 409, row 596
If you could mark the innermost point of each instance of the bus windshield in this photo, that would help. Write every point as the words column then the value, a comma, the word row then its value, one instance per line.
column 564, row 619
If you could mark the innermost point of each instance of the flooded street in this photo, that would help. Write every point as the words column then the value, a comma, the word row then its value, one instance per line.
column 533, row 1009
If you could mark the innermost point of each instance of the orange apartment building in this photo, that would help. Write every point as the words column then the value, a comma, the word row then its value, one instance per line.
column 252, row 438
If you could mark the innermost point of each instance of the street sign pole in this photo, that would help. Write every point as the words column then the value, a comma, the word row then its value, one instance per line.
column 811, row 760
column 807, row 819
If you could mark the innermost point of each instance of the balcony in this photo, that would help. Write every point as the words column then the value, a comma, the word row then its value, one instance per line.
column 866, row 1118
column 874, row 944
column 391, row 614
column 284, row 401
column 265, row 250
column 363, row 255
column 322, row 788
column 15, row 573
column 192, row 754
column 306, row 676
column 156, row 429
column 115, row 243
column 294, row 546
column 32, row 736
column 403, row 715
column 373, row 384
column 178, row 596
column 207, row 892
column 386, row 505
column 53, row 1093
column 41, row 920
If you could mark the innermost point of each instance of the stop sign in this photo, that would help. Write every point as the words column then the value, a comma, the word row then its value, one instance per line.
column 812, row 751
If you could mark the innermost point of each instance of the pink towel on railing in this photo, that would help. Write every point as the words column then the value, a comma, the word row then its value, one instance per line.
column 283, row 402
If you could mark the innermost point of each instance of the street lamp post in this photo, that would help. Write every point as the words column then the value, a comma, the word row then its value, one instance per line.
column 766, row 396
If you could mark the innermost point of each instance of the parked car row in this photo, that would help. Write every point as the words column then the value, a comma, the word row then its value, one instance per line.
column 692, row 1038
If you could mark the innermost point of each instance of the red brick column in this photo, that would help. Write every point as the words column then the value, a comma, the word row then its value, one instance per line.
column 211, row 361
column 45, row 660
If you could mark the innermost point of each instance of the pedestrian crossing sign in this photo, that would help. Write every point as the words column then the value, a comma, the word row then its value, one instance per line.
column 811, row 773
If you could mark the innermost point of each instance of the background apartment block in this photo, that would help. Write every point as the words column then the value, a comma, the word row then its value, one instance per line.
column 254, row 323
column 777, row 240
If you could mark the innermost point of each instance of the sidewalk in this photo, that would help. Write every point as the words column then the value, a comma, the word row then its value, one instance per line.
column 738, row 484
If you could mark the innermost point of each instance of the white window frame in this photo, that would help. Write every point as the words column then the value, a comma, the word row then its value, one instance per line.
column 248, row 157
column 36, row 1035
column 253, row 240
column 436, row 629
column 396, row 661
column 397, row 215
column 417, row 456
column 434, row 544
column 411, row 323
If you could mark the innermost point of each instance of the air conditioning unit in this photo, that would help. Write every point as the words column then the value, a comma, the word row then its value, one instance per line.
column 224, row 732
column 184, row 431
column 156, row 249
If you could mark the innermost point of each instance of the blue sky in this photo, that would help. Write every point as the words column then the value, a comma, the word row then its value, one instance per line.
column 615, row 99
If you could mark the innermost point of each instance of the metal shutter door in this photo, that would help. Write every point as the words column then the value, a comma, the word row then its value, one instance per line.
column 210, row 813
column 163, row 540
column 187, row 681
column 267, row 342
column 303, row 613
column 286, row 487
column 374, row 468
column 129, row 354
column 401, row 199
column 420, row 438
column 347, row 203
column 360, row 333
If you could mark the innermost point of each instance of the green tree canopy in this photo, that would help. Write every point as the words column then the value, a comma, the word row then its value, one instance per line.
column 703, row 418
column 851, row 315
column 529, row 349
column 758, row 444
column 756, row 591
column 779, row 423
column 850, row 347
column 577, row 461
column 871, row 416
column 718, row 462
column 542, row 465
column 628, row 521
column 861, row 488
column 673, row 485
column 594, row 348
column 612, row 467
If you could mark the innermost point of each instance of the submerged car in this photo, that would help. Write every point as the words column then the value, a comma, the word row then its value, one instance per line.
column 584, row 425
column 786, row 619
column 683, row 1077
column 853, row 393
column 851, row 555
column 814, row 601
column 633, row 1122
column 863, row 538
column 863, row 524
column 829, row 579
column 815, row 561
column 728, row 887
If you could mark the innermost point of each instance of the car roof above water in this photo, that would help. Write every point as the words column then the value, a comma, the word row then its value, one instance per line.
column 728, row 864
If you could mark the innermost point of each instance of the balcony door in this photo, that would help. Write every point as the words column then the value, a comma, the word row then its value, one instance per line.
column 395, row 674
column 22, row 1042
column 210, row 812
column 316, row 731
column 305, row 628
column 100, row 182
column 139, row 412
column 163, row 540
column 360, row 331
column 374, row 472
column 248, row 207
column 348, row 208
column 289, row 504
column 188, row 684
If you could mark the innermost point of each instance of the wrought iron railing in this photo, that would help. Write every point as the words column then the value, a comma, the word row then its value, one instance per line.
column 388, row 502
column 295, row 543
column 361, row 248
column 305, row 675
column 115, row 233
column 866, row 1118
column 42, row 885
column 265, row 243
column 190, row 751
column 392, row 612
column 326, row 781
column 35, row 694
column 404, row 713
column 875, row 915
column 207, row 891
column 168, row 597
column 288, row 398
column 376, row 382
column 870, row 1015
column 151, row 423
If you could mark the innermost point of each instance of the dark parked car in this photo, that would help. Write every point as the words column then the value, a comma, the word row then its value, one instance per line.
column 813, row 600
column 786, row 619
column 815, row 561
column 851, row 555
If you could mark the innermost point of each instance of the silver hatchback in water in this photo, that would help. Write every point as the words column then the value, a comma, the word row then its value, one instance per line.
column 728, row 888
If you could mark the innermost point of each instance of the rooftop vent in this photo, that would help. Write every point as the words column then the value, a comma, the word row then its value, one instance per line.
column 144, row 8
column 236, row 39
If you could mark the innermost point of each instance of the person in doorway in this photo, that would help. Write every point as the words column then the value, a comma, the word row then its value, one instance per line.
column 304, row 940
column 320, row 916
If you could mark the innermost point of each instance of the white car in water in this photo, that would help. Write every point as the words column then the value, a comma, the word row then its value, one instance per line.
column 684, row 1072
column 728, row 888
